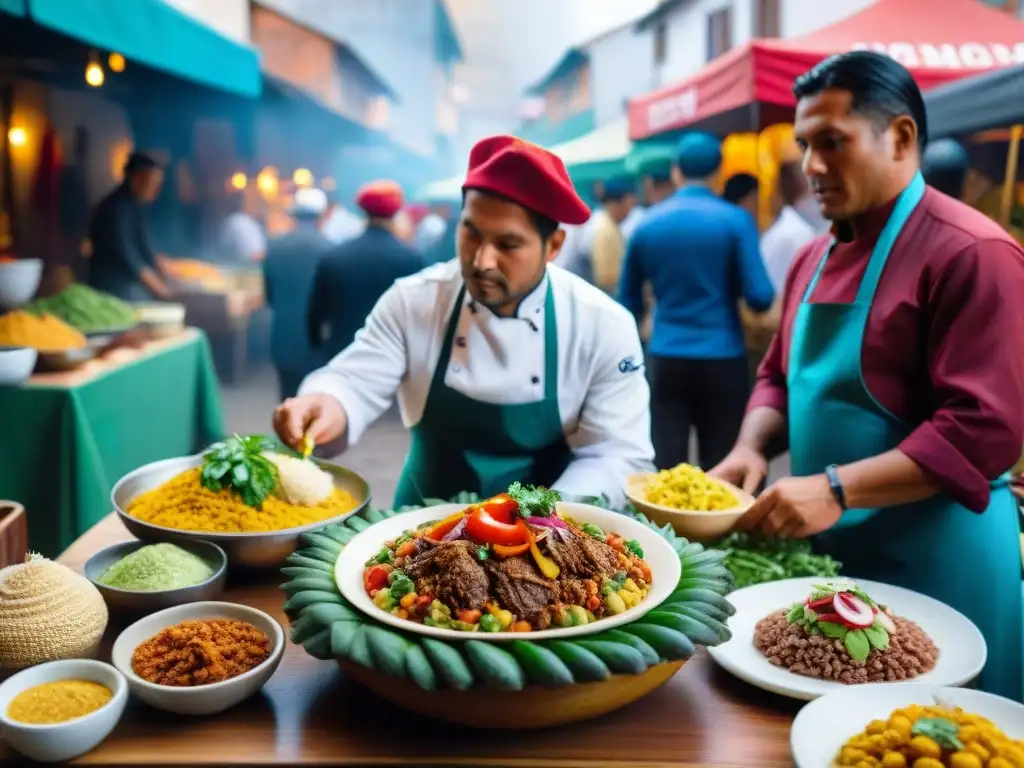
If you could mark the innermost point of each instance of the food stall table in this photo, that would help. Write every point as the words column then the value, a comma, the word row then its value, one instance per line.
column 309, row 713
column 67, row 437
column 226, row 318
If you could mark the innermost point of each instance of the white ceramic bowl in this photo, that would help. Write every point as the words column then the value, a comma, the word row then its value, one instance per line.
column 201, row 699
column 19, row 281
column 16, row 364
column 694, row 525
column 658, row 554
column 63, row 741
column 823, row 726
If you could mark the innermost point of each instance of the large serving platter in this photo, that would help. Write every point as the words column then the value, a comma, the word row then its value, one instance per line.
column 962, row 649
column 658, row 553
column 247, row 550
column 823, row 726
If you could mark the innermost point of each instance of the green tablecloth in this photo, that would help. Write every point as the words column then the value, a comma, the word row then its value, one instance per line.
column 63, row 446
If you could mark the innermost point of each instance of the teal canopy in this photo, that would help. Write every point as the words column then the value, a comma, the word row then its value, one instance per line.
column 13, row 7
column 153, row 33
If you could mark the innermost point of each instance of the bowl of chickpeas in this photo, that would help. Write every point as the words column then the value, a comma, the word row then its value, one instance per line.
column 696, row 505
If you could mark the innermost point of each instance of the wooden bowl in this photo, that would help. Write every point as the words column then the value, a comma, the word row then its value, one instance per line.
column 533, row 707
column 693, row 524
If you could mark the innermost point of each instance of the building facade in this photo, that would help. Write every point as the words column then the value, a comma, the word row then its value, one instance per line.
column 228, row 17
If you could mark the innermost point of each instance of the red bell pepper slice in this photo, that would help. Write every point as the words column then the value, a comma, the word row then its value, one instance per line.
column 483, row 526
column 501, row 507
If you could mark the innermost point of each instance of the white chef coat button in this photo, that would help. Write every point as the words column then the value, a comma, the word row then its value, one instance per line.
column 460, row 341
column 535, row 379
column 456, row 368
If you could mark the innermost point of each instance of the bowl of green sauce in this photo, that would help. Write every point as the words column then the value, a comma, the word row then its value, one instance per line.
column 139, row 577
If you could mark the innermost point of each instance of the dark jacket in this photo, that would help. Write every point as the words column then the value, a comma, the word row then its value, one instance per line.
column 119, row 234
column 288, row 272
column 350, row 281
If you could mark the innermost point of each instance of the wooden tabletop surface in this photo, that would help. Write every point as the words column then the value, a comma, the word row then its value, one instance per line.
column 310, row 713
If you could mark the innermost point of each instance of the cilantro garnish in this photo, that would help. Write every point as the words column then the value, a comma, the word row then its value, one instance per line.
column 238, row 464
column 533, row 501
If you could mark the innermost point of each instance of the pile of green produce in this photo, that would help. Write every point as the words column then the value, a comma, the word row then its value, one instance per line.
column 88, row 310
column 753, row 560
column 328, row 627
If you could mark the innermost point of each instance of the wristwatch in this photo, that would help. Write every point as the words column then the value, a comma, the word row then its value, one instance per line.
column 835, row 485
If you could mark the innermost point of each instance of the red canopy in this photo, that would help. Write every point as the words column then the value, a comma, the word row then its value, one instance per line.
column 964, row 38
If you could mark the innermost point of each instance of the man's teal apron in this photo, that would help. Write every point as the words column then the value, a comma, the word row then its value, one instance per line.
column 936, row 547
column 462, row 444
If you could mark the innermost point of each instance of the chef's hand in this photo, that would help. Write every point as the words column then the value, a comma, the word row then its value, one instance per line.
column 320, row 416
column 744, row 467
column 794, row 507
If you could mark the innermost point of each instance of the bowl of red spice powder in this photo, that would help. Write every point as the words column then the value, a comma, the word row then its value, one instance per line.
column 199, row 658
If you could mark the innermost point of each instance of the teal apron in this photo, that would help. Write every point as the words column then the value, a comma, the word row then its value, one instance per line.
column 462, row 444
column 937, row 547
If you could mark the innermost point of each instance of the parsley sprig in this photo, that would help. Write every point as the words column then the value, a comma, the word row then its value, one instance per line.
column 533, row 501
column 238, row 464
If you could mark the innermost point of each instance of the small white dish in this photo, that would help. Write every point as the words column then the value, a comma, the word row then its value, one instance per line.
column 200, row 699
column 658, row 553
column 823, row 726
column 962, row 649
column 58, row 742
column 16, row 364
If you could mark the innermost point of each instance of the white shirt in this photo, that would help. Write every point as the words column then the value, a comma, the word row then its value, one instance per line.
column 342, row 225
column 781, row 242
column 241, row 239
column 605, row 410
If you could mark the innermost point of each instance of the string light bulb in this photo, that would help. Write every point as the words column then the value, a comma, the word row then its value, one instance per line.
column 266, row 182
column 116, row 62
column 94, row 73
column 238, row 181
column 303, row 177
column 17, row 136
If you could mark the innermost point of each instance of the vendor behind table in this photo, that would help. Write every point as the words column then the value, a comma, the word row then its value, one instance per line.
column 123, row 262
column 506, row 368
column 893, row 336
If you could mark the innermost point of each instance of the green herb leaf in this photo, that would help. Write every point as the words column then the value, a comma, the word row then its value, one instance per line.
column 382, row 557
column 943, row 732
column 877, row 636
column 483, row 552
column 399, row 585
column 796, row 613
column 857, row 645
column 239, row 465
column 831, row 629
column 533, row 501
column 593, row 531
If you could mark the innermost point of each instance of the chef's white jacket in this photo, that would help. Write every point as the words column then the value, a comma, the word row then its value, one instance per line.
column 604, row 397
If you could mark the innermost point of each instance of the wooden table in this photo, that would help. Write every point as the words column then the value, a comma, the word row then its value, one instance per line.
column 309, row 713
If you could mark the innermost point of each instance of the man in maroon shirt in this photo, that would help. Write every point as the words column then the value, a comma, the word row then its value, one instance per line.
column 891, row 372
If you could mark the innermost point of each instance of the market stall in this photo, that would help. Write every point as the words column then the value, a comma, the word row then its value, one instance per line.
column 748, row 88
column 68, row 437
column 978, row 103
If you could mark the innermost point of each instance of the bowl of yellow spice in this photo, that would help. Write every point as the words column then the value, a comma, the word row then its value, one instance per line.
column 59, row 346
column 136, row 577
column 696, row 505
column 57, row 711
column 245, row 494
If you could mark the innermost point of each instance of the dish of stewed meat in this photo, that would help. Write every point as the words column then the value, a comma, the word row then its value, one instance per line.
column 511, row 563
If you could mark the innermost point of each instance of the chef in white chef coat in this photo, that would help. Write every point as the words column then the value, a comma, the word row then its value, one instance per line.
column 506, row 367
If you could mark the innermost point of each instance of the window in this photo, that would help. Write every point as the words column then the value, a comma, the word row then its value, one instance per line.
column 719, row 33
column 660, row 42
column 766, row 18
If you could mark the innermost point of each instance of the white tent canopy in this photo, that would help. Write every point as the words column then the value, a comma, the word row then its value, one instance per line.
column 603, row 145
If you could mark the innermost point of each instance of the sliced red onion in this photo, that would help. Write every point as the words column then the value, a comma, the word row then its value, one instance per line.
column 456, row 532
column 547, row 522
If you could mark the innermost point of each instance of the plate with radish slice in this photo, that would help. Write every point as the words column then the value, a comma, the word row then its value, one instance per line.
column 804, row 638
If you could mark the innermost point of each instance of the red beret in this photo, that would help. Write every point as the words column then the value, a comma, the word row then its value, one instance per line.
column 525, row 174
column 380, row 199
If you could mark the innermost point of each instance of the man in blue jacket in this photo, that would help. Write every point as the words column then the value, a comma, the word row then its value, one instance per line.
column 700, row 254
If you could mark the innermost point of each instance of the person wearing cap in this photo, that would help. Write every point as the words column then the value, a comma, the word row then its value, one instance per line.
column 743, row 189
column 354, row 276
column 506, row 367
column 288, row 272
column 892, row 374
column 700, row 254
column 607, row 241
column 944, row 166
column 123, row 262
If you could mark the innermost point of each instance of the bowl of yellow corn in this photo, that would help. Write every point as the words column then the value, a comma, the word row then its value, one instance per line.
column 696, row 505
